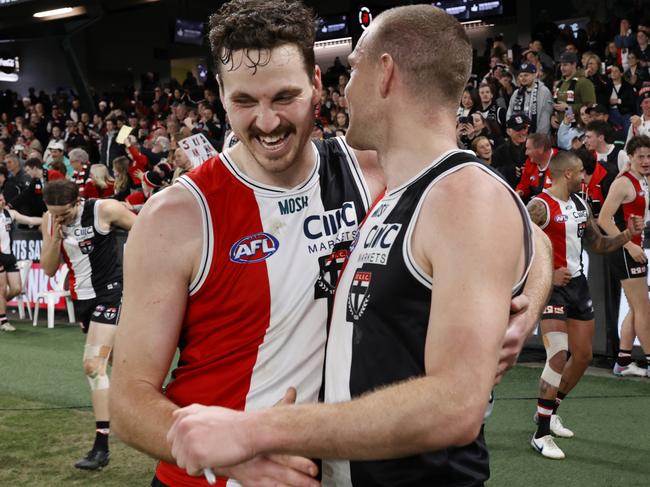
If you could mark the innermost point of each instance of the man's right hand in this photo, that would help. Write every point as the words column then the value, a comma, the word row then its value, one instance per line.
column 561, row 277
column 57, row 230
column 636, row 253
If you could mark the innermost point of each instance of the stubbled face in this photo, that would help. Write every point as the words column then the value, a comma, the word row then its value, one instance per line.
column 526, row 79
column 567, row 69
column 535, row 154
column 360, row 93
column 271, row 108
column 485, row 93
column 640, row 161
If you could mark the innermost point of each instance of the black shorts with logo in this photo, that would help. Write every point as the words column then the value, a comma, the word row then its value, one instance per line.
column 572, row 302
column 8, row 263
column 623, row 266
column 102, row 309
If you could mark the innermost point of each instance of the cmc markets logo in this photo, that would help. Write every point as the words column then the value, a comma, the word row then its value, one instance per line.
column 365, row 17
column 254, row 248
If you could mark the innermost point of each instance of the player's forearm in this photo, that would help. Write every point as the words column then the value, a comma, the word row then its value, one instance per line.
column 403, row 419
column 141, row 417
column 608, row 225
column 50, row 256
column 603, row 244
column 540, row 279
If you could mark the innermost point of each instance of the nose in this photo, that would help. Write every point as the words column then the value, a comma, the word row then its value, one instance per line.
column 267, row 119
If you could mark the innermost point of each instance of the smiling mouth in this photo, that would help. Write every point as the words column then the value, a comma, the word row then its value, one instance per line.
column 272, row 142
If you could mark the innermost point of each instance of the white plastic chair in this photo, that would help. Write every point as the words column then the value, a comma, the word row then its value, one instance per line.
column 22, row 300
column 53, row 297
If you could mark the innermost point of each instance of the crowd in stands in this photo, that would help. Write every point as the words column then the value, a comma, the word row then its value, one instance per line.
column 586, row 90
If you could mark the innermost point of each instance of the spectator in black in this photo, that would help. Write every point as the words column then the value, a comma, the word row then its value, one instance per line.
column 30, row 201
column 507, row 87
column 642, row 49
column 510, row 158
column 489, row 109
column 622, row 99
column 17, row 179
column 635, row 74
column 109, row 149
column 611, row 156
column 600, row 113
column 602, row 85
column 74, row 112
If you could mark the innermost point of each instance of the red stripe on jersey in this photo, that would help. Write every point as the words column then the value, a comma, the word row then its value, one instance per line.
column 72, row 280
column 636, row 206
column 555, row 230
column 227, row 319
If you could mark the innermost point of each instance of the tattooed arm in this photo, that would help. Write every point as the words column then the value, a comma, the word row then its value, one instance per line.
column 600, row 243
column 537, row 211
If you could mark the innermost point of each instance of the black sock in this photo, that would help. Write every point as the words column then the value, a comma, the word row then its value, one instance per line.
column 102, row 429
column 3, row 319
column 647, row 360
column 558, row 400
column 544, row 411
column 624, row 357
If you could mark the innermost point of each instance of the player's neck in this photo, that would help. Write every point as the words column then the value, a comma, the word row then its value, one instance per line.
column 560, row 192
column 411, row 147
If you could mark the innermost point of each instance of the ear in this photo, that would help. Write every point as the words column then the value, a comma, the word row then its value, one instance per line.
column 387, row 74
column 317, row 86
column 221, row 95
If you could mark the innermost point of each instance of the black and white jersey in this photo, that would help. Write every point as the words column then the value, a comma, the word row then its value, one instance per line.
column 91, row 255
column 6, row 225
column 379, row 327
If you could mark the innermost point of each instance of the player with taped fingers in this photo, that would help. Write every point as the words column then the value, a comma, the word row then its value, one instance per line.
column 81, row 233
column 568, row 319
column 629, row 194
column 10, row 284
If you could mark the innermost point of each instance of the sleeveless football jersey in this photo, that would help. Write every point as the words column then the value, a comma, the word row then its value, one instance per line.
column 379, row 326
column 91, row 255
column 638, row 206
column 565, row 225
column 6, row 225
column 256, row 315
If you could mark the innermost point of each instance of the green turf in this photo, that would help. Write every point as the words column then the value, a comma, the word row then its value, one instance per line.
column 46, row 424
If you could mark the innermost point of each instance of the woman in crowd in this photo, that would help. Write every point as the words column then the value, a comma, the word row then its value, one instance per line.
column 100, row 184
column 469, row 103
column 483, row 148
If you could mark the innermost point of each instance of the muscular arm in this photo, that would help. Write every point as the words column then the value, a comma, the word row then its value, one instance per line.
column 617, row 195
column 597, row 242
column 51, row 250
column 155, row 294
column 537, row 212
column 113, row 214
column 468, row 317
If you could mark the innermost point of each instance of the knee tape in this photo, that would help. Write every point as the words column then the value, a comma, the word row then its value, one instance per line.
column 98, row 380
column 554, row 342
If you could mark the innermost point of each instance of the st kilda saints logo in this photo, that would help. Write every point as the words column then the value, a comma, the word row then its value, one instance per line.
column 359, row 295
column 86, row 246
column 329, row 271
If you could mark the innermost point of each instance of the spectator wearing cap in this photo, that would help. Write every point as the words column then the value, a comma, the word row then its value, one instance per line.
column 573, row 89
column 571, row 131
column 100, row 184
column 640, row 125
column 151, row 183
column 532, row 99
column 622, row 99
column 600, row 113
column 536, row 175
column 510, row 157
column 57, row 153
column 489, row 109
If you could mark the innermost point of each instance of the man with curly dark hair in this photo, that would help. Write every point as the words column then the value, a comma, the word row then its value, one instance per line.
column 263, row 230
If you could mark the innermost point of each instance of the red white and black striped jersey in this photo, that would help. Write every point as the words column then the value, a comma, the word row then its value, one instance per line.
column 565, row 225
column 6, row 225
column 638, row 206
column 256, row 317
column 91, row 255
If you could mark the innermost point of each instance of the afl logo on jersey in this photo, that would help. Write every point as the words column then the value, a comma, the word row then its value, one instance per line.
column 254, row 248
column 359, row 296
column 560, row 218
